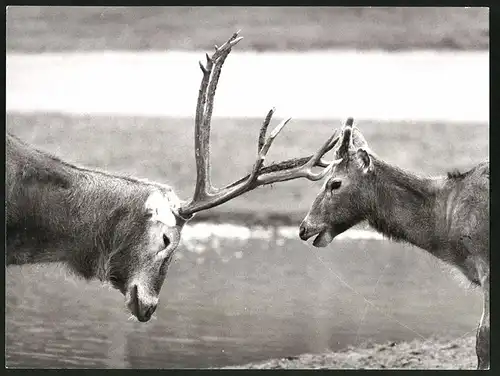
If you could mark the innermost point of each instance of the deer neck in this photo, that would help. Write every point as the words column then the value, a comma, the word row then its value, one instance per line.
column 79, row 219
column 404, row 206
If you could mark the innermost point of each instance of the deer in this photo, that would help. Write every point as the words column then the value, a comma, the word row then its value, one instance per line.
column 447, row 216
column 122, row 230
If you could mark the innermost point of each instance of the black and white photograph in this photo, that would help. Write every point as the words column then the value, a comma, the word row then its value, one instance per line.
column 247, row 187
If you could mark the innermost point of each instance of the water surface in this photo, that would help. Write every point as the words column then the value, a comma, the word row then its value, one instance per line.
column 236, row 299
column 421, row 85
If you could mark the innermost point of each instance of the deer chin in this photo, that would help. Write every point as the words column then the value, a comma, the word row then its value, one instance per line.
column 326, row 236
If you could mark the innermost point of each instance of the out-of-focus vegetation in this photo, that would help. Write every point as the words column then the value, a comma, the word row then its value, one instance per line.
column 40, row 29
column 161, row 149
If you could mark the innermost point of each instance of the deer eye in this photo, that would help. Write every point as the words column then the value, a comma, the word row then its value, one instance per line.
column 166, row 240
column 335, row 184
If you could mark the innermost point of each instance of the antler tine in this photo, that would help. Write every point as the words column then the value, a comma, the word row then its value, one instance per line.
column 214, row 80
column 267, row 144
column 263, row 129
column 264, row 150
column 294, row 163
column 298, row 168
column 288, row 167
column 316, row 158
column 204, row 114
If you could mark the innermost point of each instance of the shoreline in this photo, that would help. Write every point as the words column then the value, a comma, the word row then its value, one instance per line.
column 431, row 353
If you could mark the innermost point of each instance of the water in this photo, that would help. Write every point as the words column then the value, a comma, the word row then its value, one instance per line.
column 236, row 297
column 315, row 85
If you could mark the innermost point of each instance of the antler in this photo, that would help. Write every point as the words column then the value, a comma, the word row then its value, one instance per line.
column 205, row 195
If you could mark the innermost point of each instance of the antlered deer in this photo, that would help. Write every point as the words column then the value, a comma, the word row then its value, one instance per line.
column 446, row 216
column 119, row 229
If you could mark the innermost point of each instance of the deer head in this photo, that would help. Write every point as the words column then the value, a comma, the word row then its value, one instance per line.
column 140, row 273
column 167, row 214
column 344, row 198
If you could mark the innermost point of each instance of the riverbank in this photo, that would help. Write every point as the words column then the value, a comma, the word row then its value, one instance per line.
column 417, row 354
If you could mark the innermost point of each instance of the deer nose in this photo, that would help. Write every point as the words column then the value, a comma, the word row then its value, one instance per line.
column 303, row 231
column 141, row 309
column 149, row 311
column 145, row 311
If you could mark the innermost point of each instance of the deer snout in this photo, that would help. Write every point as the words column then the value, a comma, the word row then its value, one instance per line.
column 303, row 232
column 146, row 311
column 306, row 230
column 141, row 307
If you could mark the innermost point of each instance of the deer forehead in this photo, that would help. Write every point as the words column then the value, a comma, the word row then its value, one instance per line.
column 163, row 207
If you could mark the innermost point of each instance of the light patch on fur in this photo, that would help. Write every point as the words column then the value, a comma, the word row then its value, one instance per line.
column 163, row 208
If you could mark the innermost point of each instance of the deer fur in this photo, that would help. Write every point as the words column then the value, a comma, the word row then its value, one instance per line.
column 446, row 216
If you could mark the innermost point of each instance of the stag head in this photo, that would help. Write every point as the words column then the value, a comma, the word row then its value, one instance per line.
column 139, row 273
column 344, row 199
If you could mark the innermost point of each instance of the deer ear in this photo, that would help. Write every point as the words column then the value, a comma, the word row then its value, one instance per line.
column 364, row 160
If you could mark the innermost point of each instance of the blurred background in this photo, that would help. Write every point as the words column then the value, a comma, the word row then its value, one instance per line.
column 115, row 88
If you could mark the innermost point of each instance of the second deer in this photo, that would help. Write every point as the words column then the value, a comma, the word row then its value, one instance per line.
column 446, row 216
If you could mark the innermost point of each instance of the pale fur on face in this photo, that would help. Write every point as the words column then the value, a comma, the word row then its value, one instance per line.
column 163, row 207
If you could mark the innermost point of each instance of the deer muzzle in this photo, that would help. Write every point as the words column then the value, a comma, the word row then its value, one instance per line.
column 306, row 230
column 141, row 308
column 324, row 234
